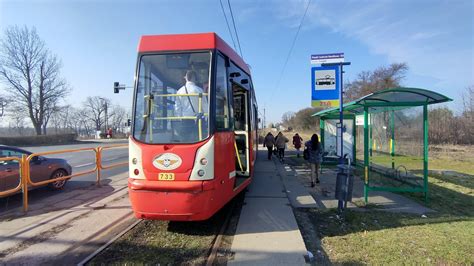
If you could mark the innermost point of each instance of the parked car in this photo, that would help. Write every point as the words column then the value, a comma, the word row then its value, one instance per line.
column 41, row 168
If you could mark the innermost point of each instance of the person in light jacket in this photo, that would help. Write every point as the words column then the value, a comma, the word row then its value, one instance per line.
column 280, row 142
column 269, row 142
column 315, row 157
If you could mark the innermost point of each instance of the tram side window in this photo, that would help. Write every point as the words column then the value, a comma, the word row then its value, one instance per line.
column 222, row 96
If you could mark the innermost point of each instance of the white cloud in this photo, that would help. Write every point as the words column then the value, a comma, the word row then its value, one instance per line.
column 434, row 38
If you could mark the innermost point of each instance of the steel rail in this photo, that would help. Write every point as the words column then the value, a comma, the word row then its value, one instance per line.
column 111, row 241
column 211, row 259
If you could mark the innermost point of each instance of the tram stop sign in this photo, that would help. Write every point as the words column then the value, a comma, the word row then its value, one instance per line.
column 325, row 86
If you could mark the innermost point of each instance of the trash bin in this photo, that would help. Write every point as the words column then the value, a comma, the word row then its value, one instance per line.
column 344, row 183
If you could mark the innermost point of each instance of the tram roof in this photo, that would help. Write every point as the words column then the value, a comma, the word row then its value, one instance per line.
column 390, row 99
column 187, row 42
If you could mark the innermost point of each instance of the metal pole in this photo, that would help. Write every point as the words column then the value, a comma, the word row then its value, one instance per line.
column 106, row 118
column 341, row 102
column 340, row 203
column 392, row 139
column 98, row 163
column 264, row 125
column 366, row 154
column 2, row 105
column 341, row 115
column 354, row 139
column 24, row 171
column 425, row 151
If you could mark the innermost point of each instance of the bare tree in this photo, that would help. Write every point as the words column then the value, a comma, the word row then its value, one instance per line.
column 287, row 119
column 31, row 74
column 96, row 110
column 467, row 116
column 372, row 81
column 302, row 120
column 82, row 124
column 17, row 120
column 118, row 117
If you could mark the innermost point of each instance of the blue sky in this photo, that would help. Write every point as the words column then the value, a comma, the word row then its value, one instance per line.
column 97, row 41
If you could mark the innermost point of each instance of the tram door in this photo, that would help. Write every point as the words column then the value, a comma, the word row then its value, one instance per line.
column 241, row 120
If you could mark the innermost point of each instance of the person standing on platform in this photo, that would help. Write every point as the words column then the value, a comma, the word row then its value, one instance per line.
column 269, row 142
column 280, row 143
column 315, row 152
column 297, row 140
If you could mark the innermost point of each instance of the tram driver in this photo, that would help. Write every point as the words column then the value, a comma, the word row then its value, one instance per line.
column 188, row 106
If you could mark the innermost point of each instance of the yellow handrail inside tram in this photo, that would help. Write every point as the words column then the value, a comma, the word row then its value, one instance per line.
column 151, row 108
column 200, row 120
column 238, row 156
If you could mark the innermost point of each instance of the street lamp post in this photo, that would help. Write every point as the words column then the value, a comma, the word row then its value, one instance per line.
column 3, row 103
column 105, row 106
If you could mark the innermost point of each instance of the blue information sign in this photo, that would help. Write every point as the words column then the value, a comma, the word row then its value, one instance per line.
column 325, row 86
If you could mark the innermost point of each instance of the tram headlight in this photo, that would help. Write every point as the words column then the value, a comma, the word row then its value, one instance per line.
column 134, row 160
column 201, row 173
column 136, row 171
column 203, row 161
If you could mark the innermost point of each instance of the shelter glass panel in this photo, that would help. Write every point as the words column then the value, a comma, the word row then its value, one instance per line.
column 396, row 147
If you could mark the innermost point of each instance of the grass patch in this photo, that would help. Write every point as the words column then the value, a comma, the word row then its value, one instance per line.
column 375, row 237
column 370, row 236
column 164, row 243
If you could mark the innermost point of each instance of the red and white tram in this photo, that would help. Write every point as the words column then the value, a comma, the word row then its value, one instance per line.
column 194, row 133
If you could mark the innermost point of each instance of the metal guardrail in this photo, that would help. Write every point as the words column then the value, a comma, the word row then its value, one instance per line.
column 100, row 149
column 25, row 172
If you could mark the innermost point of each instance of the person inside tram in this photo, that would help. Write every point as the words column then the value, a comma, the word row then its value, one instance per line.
column 188, row 106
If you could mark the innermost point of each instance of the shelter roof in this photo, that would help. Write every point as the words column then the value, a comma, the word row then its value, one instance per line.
column 390, row 99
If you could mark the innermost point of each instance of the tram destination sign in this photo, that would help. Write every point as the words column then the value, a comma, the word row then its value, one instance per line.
column 317, row 59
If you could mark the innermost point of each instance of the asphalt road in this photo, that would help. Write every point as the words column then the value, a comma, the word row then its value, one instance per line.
column 80, row 162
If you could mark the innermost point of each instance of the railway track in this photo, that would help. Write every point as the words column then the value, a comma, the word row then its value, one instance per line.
column 209, row 257
column 97, row 251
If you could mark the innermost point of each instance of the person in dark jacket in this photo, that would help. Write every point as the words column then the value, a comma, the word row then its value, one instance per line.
column 297, row 143
column 269, row 142
column 315, row 157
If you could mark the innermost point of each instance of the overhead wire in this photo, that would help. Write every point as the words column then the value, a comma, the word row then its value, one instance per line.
column 235, row 28
column 290, row 51
column 228, row 27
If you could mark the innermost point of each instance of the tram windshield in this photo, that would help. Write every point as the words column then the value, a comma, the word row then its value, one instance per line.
column 171, row 101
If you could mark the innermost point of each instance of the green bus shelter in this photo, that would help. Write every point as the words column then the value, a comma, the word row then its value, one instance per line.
column 390, row 134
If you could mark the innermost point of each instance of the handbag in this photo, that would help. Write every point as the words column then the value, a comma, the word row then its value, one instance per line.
column 306, row 154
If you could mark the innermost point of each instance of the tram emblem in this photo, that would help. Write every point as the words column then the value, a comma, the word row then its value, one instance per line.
column 167, row 161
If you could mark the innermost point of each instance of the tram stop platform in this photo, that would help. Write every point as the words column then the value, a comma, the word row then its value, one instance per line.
column 267, row 232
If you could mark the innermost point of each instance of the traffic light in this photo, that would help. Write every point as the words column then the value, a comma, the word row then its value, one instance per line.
column 116, row 87
column 129, row 122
